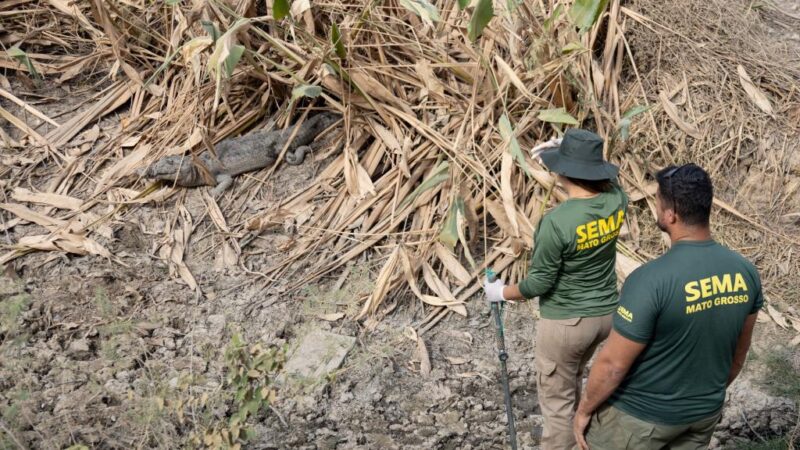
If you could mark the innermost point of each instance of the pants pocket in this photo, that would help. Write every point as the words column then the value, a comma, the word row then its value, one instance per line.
column 545, row 367
column 607, row 432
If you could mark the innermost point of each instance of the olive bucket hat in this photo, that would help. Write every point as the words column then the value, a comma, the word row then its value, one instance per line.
column 580, row 155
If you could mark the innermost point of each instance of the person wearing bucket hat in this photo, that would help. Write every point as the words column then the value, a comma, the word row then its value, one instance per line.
column 580, row 156
column 572, row 271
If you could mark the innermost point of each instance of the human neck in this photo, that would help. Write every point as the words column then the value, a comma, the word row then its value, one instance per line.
column 575, row 191
column 690, row 233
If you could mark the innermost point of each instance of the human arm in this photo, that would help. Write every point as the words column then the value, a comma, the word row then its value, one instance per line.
column 512, row 293
column 496, row 291
column 742, row 347
column 608, row 371
column 543, row 270
column 634, row 328
column 746, row 335
column 545, row 264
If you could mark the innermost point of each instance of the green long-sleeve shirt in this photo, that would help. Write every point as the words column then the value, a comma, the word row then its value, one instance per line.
column 572, row 265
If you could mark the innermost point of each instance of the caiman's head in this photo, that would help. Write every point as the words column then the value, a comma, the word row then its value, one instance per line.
column 328, row 118
column 171, row 168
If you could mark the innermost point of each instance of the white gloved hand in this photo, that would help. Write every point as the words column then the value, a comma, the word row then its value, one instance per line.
column 494, row 290
column 552, row 143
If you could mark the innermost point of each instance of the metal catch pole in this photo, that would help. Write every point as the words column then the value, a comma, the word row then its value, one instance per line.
column 503, row 356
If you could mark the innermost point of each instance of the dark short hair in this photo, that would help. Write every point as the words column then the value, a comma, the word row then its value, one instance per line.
column 595, row 186
column 688, row 191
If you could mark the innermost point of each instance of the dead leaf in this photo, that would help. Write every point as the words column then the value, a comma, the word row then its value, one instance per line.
column 377, row 90
column 16, row 160
column 424, row 358
column 649, row 191
column 507, row 194
column 441, row 290
column 226, row 257
column 89, row 221
column 755, row 94
column 123, row 167
column 777, row 317
column 386, row 136
column 410, row 279
column 498, row 213
column 215, row 213
column 271, row 219
column 173, row 248
column 410, row 333
column 332, row 317
column 512, row 76
column 71, row 9
column 359, row 184
column 429, row 78
column 795, row 323
column 59, row 241
column 473, row 375
column 456, row 361
column 452, row 265
column 672, row 112
column 46, row 198
column 298, row 7
column 29, row 215
column 131, row 141
column 382, row 284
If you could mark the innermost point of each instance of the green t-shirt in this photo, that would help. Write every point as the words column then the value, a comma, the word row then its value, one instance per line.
column 572, row 265
column 689, row 307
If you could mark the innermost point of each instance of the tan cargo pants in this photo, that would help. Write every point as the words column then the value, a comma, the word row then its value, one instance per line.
column 563, row 347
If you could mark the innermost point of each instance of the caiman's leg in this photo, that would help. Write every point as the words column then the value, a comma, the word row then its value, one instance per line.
column 298, row 156
column 224, row 181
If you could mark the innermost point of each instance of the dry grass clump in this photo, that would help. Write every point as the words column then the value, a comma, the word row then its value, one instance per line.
column 690, row 57
column 434, row 181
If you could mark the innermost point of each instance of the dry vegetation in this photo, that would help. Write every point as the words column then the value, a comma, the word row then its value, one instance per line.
column 429, row 176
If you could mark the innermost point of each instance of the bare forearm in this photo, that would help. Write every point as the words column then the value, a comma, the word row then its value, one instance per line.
column 736, row 368
column 603, row 381
column 512, row 293
column 742, row 347
column 613, row 362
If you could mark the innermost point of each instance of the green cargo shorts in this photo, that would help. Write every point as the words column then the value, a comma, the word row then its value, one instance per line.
column 612, row 429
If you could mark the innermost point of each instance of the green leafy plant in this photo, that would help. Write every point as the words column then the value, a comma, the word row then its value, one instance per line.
column 782, row 380
column 627, row 118
column 449, row 234
column 211, row 29
column 280, row 9
column 338, row 42
column 480, row 18
column 11, row 310
column 507, row 132
column 251, row 369
column 557, row 115
column 554, row 16
column 439, row 175
column 20, row 55
column 780, row 443
column 426, row 11
column 584, row 13
column 306, row 90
